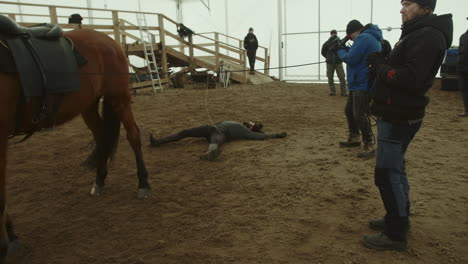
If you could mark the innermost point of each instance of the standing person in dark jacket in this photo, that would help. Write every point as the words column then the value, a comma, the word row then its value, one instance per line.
column 218, row 134
column 399, row 104
column 251, row 45
column 463, row 69
column 366, row 40
column 334, row 63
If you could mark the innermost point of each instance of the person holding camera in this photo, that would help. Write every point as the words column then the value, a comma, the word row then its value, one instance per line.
column 399, row 102
column 366, row 40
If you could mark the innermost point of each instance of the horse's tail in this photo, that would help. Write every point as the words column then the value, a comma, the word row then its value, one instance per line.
column 107, row 138
column 110, row 130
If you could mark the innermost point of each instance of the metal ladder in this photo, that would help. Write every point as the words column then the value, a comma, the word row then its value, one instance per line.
column 148, row 46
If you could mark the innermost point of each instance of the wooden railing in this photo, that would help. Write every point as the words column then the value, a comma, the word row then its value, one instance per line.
column 120, row 29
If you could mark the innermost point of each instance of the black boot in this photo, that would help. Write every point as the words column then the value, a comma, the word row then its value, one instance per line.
column 368, row 151
column 383, row 242
column 354, row 140
column 378, row 224
column 153, row 141
column 212, row 153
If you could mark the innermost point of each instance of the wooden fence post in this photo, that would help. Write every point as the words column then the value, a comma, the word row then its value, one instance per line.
column 124, row 35
column 241, row 48
column 53, row 15
column 216, row 51
column 162, row 38
column 191, row 52
column 116, row 24
column 267, row 65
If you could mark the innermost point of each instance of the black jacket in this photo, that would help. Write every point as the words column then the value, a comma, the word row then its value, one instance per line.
column 250, row 42
column 386, row 48
column 330, row 56
column 401, row 83
column 463, row 55
column 236, row 131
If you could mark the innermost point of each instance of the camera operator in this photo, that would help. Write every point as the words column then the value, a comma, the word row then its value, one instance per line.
column 366, row 40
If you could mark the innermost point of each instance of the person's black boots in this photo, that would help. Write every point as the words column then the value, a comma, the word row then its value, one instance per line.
column 153, row 141
column 212, row 153
column 378, row 224
column 368, row 151
column 383, row 242
column 354, row 140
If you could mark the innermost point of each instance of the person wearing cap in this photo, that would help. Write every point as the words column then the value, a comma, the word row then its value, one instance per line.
column 75, row 19
column 366, row 40
column 399, row 102
column 251, row 45
column 334, row 63
column 462, row 68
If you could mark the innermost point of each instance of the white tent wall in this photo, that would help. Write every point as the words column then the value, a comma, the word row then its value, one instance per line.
column 262, row 15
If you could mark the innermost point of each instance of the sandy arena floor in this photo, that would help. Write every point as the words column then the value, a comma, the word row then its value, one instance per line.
column 297, row 200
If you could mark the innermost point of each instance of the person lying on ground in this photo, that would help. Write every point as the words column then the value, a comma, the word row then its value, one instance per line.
column 218, row 134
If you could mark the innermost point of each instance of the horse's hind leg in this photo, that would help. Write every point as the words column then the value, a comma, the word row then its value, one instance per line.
column 97, row 159
column 133, row 136
column 93, row 121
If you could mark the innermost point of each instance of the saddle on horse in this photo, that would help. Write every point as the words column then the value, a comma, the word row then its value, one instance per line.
column 45, row 61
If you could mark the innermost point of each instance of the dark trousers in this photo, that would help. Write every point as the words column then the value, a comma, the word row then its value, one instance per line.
column 252, row 54
column 356, row 110
column 393, row 140
column 465, row 93
column 212, row 135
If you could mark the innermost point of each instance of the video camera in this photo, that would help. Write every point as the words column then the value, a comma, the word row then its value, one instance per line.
column 340, row 43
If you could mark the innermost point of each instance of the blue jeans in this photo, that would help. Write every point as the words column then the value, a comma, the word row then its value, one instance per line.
column 393, row 140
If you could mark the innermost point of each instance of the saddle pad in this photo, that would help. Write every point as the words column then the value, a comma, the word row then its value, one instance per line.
column 55, row 58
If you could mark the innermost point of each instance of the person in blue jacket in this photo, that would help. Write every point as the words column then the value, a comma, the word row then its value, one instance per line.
column 366, row 40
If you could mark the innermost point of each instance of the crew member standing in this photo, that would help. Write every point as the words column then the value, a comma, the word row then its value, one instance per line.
column 366, row 40
column 251, row 45
column 334, row 63
column 402, row 82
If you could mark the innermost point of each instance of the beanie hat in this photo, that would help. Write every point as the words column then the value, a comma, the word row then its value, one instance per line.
column 425, row 3
column 353, row 26
column 75, row 19
column 333, row 31
column 251, row 29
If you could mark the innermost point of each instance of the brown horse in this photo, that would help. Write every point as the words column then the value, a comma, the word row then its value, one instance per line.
column 104, row 76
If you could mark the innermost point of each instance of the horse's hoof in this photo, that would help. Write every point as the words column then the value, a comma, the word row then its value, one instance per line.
column 97, row 190
column 143, row 193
